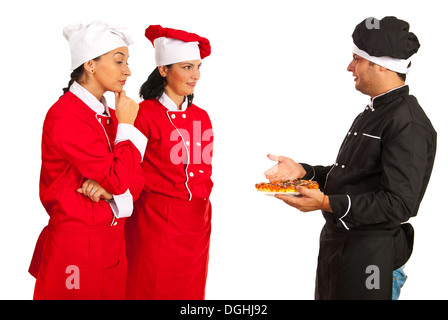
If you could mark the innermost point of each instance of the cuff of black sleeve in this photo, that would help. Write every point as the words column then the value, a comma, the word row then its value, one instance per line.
column 340, row 205
column 309, row 172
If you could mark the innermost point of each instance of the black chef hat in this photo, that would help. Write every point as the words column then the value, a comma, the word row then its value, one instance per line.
column 388, row 37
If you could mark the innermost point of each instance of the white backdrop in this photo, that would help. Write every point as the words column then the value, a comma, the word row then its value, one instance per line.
column 276, row 82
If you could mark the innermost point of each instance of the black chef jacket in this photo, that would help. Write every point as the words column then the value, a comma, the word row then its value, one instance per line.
column 375, row 185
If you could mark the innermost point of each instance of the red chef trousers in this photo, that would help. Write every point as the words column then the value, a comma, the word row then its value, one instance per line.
column 167, row 245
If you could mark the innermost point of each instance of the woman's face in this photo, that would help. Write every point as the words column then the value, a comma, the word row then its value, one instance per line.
column 110, row 72
column 181, row 77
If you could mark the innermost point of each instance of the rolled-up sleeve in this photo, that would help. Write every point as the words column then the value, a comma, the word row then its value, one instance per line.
column 129, row 132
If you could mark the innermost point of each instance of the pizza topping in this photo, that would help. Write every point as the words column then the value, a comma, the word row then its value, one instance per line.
column 286, row 185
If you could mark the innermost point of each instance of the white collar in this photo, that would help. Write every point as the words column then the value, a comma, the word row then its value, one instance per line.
column 100, row 107
column 170, row 105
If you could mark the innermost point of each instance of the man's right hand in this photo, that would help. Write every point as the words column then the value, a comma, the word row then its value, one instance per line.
column 285, row 169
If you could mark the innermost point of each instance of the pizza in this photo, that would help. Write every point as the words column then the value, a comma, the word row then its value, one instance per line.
column 286, row 186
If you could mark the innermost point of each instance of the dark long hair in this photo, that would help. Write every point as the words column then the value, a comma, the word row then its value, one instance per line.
column 154, row 86
column 77, row 75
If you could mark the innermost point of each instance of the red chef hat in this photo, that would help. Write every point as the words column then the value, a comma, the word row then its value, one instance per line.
column 174, row 46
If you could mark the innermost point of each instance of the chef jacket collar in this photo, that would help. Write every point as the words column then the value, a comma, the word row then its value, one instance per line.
column 380, row 98
column 170, row 105
column 100, row 107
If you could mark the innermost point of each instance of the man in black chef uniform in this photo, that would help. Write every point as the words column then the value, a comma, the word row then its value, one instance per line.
column 380, row 174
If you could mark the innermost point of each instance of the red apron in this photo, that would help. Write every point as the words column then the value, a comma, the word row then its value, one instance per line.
column 80, row 263
column 173, row 263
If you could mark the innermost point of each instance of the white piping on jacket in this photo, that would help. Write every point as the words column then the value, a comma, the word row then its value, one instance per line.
column 370, row 136
column 348, row 209
column 188, row 154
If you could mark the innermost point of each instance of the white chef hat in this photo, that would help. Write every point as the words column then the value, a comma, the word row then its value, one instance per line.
column 169, row 51
column 89, row 41
column 172, row 45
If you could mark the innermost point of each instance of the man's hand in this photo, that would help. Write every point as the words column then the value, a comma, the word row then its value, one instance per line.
column 309, row 200
column 94, row 191
column 285, row 169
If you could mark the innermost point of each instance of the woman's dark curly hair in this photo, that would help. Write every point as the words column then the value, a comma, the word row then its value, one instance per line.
column 154, row 86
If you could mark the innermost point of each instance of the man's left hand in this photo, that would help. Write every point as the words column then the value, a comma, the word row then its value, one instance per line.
column 308, row 200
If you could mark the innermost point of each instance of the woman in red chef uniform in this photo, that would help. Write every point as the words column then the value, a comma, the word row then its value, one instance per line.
column 168, row 235
column 85, row 144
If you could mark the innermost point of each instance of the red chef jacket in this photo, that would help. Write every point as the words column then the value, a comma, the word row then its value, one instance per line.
column 83, row 242
column 178, row 157
column 168, row 235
